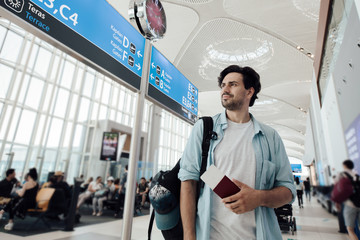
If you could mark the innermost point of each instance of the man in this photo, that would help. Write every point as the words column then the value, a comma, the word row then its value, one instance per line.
column 142, row 190
column 351, row 212
column 250, row 153
column 121, row 192
column 307, row 188
column 7, row 184
column 122, row 188
column 61, row 184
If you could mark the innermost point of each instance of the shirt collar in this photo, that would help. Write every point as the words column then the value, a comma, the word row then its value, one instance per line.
column 257, row 126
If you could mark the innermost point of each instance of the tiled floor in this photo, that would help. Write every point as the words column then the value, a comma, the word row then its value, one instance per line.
column 313, row 223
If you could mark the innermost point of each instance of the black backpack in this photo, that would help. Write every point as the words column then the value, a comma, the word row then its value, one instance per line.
column 164, row 191
column 355, row 197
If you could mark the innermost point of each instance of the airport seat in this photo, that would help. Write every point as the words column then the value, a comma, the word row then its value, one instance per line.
column 43, row 198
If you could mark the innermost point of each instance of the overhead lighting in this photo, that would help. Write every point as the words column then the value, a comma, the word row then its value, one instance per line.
column 266, row 102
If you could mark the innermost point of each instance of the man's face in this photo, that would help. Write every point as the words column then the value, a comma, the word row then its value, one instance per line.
column 142, row 181
column 233, row 93
column 12, row 176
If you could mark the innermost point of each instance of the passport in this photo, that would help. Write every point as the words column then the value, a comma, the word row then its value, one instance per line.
column 219, row 182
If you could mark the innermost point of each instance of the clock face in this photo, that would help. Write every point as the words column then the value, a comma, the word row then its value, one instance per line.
column 156, row 19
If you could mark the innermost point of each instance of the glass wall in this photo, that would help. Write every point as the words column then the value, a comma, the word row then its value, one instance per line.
column 50, row 104
column 173, row 137
column 49, row 101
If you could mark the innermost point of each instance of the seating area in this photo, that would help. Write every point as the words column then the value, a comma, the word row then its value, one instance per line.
column 323, row 197
column 50, row 214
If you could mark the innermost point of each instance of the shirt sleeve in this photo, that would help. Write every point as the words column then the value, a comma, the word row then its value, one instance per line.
column 191, row 158
column 284, row 176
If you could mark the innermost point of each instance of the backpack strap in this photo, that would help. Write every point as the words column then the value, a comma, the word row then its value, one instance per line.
column 350, row 177
column 208, row 134
column 151, row 224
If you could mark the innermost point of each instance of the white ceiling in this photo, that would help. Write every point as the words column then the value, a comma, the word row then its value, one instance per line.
column 205, row 36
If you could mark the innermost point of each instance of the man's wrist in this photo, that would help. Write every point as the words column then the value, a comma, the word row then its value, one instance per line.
column 261, row 197
column 190, row 235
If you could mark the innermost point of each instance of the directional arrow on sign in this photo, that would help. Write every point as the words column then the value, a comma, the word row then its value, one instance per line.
column 138, row 66
column 151, row 76
column 139, row 54
column 152, row 65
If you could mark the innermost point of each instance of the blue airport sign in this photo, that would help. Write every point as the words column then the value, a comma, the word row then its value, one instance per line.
column 170, row 87
column 84, row 25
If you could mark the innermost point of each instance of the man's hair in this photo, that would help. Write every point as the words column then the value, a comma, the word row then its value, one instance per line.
column 10, row 171
column 143, row 178
column 297, row 180
column 349, row 164
column 250, row 79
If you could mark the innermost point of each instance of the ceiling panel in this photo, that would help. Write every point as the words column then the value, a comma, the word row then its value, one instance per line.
column 222, row 42
column 293, row 93
column 295, row 20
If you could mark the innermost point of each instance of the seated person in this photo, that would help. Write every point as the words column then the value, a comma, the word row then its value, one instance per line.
column 25, row 201
column 117, row 184
column 142, row 190
column 102, row 195
column 7, row 184
column 92, row 188
column 85, row 185
column 60, row 183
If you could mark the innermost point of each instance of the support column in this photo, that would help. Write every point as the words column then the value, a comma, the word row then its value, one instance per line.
column 135, row 149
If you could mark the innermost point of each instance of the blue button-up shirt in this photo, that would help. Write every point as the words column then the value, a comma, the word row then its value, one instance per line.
column 272, row 170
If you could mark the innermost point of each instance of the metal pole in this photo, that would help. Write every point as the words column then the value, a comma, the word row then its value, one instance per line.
column 107, row 171
column 135, row 149
column 8, row 164
column 10, row 159
column 40, row 167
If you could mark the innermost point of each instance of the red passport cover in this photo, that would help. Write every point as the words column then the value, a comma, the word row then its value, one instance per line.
column 226, row 188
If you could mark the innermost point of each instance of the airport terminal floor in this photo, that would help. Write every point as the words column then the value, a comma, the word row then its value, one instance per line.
column 313, row 223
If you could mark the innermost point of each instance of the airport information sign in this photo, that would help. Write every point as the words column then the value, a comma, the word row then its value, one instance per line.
column 352, row 137
column 92, row 28
column 171, row 88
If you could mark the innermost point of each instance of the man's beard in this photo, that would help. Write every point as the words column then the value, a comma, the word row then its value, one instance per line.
column 232, row 104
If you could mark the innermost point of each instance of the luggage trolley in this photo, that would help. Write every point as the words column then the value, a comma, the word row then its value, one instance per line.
column 287, row 221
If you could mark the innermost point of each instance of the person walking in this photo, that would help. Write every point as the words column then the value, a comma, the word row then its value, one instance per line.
column 307, row 188
column 351, row 212
column 299, row 192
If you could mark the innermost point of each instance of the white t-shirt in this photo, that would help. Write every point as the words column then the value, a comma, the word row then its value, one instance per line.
column 299, row 186
column 95, row 186
column 235, row 157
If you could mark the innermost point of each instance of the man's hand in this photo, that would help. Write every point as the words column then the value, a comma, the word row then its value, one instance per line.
column 244, row 201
